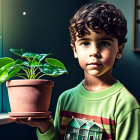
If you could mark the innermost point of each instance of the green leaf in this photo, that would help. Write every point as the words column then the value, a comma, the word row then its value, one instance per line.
column 23, row 51
column 2, row 69
column 10, row 68
column 42, row 56
column 52, row 70
column 3, row 77
column 36, row 55
column 30, row 55
column 18, row 62
column 8, row 73
column 13, row 70
column 18, row 52
column 26, row 63
column 55, row 62
column 35, row 63
column 7, row 66
column 5, row 60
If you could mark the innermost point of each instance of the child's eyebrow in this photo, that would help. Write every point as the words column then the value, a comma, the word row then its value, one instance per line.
column 83, row 39
column 108, row 38
column 100, row 39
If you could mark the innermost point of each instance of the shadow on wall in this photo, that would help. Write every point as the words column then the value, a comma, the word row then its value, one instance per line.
column 43, row 29
column 128, row 68
column 128, row 72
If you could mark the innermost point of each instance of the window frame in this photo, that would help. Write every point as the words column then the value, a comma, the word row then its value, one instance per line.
column 135, row 26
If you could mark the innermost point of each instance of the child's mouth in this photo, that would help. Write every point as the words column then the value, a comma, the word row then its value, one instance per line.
column 94, row 64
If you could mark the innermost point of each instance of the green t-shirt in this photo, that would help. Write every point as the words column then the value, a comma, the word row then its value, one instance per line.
column 112, row 113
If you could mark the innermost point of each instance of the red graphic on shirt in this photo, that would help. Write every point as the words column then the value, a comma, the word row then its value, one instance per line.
column 108, row 125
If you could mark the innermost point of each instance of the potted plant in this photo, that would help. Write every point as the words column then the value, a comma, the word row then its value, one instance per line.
column 31, row 95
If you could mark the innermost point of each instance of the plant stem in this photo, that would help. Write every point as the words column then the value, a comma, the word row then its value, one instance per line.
column 28, row 59
column 18, row 75
column 37, row 74
column 21, row 74
column 41, row 76
column 36, row 69
column 33, row 73
column 26, row 71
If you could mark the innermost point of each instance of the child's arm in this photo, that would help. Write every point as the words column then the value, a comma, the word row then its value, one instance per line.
column 53, row 132
column 129, row 128
column 50, row 134
column 47, row 129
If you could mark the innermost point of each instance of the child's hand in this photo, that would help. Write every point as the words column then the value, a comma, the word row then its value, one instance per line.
column 42, row 123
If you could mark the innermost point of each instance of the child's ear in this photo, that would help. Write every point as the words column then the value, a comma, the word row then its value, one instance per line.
column 74, row 51
column 120, row 51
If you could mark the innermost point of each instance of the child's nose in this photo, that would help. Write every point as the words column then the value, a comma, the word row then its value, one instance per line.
column 94, row 51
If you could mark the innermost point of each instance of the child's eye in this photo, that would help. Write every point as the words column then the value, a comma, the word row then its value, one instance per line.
column 104, row 44
column 85, row 44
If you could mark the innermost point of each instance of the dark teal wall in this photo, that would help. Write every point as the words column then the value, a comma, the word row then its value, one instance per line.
column 44, row 30
column 128, row 68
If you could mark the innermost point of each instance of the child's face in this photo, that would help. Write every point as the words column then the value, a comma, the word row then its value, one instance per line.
column 96, row 53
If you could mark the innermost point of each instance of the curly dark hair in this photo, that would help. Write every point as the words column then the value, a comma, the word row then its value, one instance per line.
column 98, row 16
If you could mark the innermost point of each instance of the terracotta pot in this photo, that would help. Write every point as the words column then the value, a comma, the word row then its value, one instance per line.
column 29, row 95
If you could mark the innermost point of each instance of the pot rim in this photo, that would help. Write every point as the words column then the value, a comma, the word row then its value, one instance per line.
column 29, row 82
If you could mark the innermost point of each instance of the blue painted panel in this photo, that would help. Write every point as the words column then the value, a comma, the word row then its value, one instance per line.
column 6, row 106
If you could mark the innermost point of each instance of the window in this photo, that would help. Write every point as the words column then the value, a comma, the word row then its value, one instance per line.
column 67, row 137
column 91, row 137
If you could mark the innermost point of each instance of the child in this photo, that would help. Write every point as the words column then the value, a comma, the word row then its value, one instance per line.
column 100, row 107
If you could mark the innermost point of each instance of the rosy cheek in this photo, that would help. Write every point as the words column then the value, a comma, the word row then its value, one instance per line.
column 108, row 59
column 108, row 62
